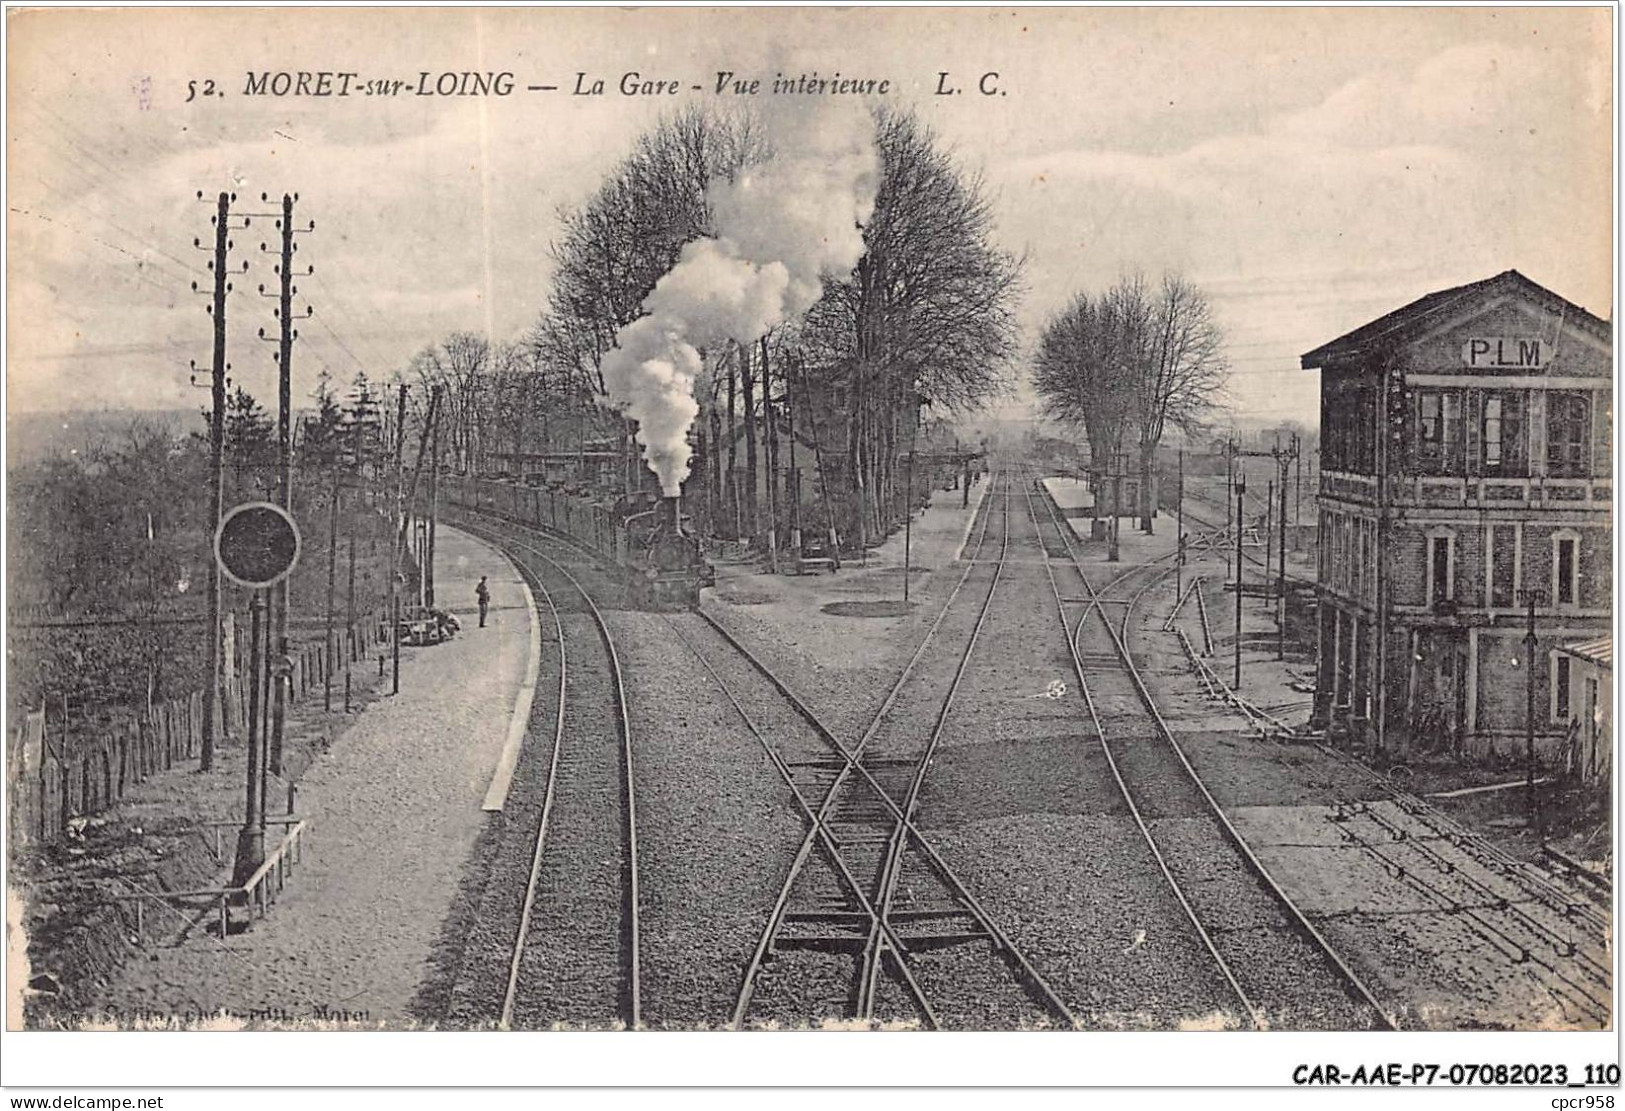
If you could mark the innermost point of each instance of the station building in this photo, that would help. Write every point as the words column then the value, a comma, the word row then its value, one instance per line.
column 1466, row 447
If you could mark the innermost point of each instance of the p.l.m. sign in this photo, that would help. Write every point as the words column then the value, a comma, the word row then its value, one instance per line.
column 1506, row 353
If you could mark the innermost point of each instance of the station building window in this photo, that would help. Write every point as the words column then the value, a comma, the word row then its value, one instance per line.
column 1503, row 434
column 1441, row 568
column 1439, row 438
column 1503, row 565
column 1568, row 423
column 1566, row 567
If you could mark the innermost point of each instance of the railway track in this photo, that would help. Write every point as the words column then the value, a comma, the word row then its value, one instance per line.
column 1219, row 536
column 1281, row 969
column 1496, row 902
column 867, row 894
column 573, row 943
column 1493, row 902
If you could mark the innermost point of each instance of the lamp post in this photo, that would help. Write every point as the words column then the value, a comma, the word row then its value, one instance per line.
column 1530, row 643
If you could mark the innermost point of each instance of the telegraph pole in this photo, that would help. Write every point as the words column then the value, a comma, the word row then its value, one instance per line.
column 332, row 575
column 1284, row 458
column 1179, row 509
column 395, row 545
column 1297, row 504
column 277, row 622
column 1280, row 601
column 1269, row 533
column 1241, row 498
column 213, row 704
column 908, row 508
column 284, row 398
column 434, row 505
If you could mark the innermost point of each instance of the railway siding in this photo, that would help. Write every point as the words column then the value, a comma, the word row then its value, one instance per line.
column 1428, row 915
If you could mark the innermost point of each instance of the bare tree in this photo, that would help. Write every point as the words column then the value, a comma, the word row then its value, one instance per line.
column 618, row 244
column 927, row 317
column 459, row 364
column 1178, row 376
column 1132, row 358
column 1082, row 377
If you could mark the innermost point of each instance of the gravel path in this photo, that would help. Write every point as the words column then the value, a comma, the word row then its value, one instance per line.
column 394, row 811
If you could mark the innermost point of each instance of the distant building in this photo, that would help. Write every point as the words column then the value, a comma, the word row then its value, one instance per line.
column 1466, row 446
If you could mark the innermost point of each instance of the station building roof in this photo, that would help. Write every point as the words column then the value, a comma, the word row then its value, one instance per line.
column 1599, row 651
column 1428, row 312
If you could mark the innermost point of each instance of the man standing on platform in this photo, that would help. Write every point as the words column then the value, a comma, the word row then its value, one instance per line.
column 483, row 593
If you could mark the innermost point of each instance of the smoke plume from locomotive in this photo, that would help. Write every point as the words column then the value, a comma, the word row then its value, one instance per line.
column 781, row 226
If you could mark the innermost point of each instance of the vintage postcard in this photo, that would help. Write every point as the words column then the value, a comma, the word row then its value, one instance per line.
column 688, row 519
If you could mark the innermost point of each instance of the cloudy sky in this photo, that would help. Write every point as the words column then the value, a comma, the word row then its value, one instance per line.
column 1309, row 169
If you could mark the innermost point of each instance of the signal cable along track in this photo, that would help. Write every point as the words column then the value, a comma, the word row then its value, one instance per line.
column 1282, row 970
column 861, row 832
column 575, row 953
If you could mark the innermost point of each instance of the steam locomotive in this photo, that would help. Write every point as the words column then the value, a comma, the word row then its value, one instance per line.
column 641, row 534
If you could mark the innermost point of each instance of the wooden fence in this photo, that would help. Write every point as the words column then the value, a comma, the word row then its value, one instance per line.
column 62, row 771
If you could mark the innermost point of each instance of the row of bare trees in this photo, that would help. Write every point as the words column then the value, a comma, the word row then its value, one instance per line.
column 822, row 408
column 1128, row 364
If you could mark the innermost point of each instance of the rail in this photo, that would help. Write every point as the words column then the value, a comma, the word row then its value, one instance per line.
column 891, row 870
column 631, row 1004
column 769, row 934
column 1295, row 915
column 1026, row 972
